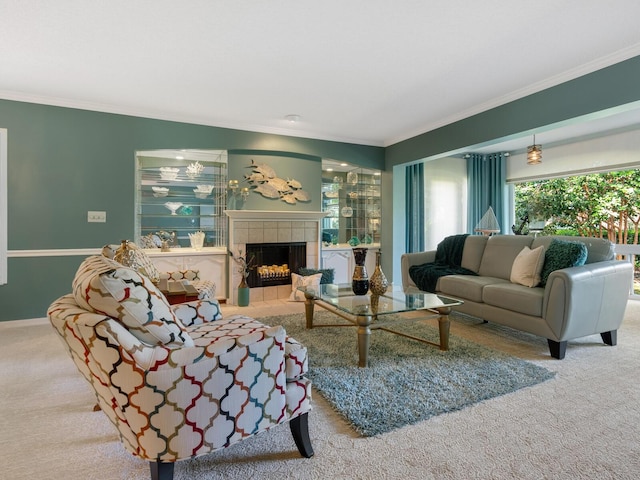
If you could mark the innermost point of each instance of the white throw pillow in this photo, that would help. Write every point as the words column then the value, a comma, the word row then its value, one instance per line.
column 300, row 281
column 527, row 267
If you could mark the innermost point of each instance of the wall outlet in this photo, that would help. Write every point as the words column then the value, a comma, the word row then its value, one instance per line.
column 99, row 217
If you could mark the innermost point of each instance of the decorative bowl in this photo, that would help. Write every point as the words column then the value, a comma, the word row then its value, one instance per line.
column 173, row 206
column 169, row 173
column 347, row 211
column 160, row 191
column 203, row 189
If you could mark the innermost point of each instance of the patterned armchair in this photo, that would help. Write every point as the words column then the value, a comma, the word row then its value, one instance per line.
column 179, row 381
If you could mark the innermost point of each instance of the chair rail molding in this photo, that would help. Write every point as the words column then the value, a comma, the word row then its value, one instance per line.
column 58, row 252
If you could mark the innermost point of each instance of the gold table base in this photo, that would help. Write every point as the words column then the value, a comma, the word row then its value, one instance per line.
column 368, row 322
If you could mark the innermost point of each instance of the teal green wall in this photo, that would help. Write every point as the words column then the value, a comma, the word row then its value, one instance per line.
column 602, row 90
column 63, row 162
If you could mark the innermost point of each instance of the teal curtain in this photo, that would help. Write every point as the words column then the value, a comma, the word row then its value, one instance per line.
column 487, row 187
column 414, row 201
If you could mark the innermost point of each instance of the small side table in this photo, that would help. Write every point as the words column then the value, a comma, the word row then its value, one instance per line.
column 177, row 292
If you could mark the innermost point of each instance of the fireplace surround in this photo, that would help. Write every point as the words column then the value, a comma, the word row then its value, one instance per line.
column 274, row 262
column 272, row 227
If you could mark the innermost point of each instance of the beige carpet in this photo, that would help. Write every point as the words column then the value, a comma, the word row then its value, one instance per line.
column 585, row 423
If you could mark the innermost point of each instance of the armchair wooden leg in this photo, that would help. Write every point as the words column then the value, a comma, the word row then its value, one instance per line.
column 300, row 431
column 161, row 470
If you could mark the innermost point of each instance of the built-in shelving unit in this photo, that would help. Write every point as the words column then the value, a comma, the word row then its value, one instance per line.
column 353, row 201
column 180, row 196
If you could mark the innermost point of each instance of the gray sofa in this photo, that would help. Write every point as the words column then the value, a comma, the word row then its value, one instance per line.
column 575, row 302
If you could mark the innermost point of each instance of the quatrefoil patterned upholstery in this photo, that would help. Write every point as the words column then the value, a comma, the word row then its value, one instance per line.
column 104, row 286
column 201, row 384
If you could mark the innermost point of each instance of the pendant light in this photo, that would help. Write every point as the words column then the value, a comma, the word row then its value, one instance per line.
column 534, row 153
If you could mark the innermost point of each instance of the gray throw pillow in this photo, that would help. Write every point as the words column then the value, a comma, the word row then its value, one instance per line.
column 327, row 273
column 562, row 254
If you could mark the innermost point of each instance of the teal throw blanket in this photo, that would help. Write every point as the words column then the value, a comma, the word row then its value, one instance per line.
column 447, row 262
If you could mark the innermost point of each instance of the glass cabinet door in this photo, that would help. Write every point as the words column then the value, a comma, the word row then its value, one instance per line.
column 179, row 196
column 353, row 200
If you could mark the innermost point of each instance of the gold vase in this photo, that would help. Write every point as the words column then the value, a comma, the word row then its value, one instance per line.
column 125, row 255
column 378, row 283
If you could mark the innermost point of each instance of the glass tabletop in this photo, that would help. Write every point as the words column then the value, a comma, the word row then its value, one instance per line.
column 341, row 296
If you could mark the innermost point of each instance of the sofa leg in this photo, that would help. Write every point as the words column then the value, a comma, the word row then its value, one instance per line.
column 161, row 470
column 300, row 431
column 557, row 349
column 610, row 337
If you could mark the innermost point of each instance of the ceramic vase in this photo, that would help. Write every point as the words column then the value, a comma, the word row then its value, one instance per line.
column 360, row 279
column 378, row 283
column 243, row 293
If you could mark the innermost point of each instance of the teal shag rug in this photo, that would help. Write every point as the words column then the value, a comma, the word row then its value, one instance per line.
column 406, row 381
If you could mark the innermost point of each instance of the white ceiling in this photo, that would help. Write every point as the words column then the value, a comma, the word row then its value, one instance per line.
column 365, row 71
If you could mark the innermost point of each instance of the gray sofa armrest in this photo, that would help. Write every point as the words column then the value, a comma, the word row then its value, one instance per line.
column 586, row 300
column 409, row 259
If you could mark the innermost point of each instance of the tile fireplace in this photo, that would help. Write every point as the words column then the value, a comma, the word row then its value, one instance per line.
column 250, row 227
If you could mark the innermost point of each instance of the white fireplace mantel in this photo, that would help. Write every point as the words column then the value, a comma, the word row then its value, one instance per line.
column 272, row 215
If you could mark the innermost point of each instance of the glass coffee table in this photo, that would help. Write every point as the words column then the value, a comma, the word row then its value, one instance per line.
column 367, row 312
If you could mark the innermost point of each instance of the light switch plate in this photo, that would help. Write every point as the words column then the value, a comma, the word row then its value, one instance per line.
column 96, row 217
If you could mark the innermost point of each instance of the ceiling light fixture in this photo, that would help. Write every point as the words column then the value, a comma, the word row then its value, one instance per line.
column 534, row 153
column 292, row 118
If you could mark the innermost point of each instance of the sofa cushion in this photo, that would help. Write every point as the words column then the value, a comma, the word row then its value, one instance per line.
column 599, row 249
column 104, row 286
column 466, row 287
column 562, row 254
column 499, row 254
column 514, row 297
column 527, row 267
column 234, row 327
column 474, row 247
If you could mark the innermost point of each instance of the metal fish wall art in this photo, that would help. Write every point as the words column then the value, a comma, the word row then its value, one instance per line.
column 265, row 181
